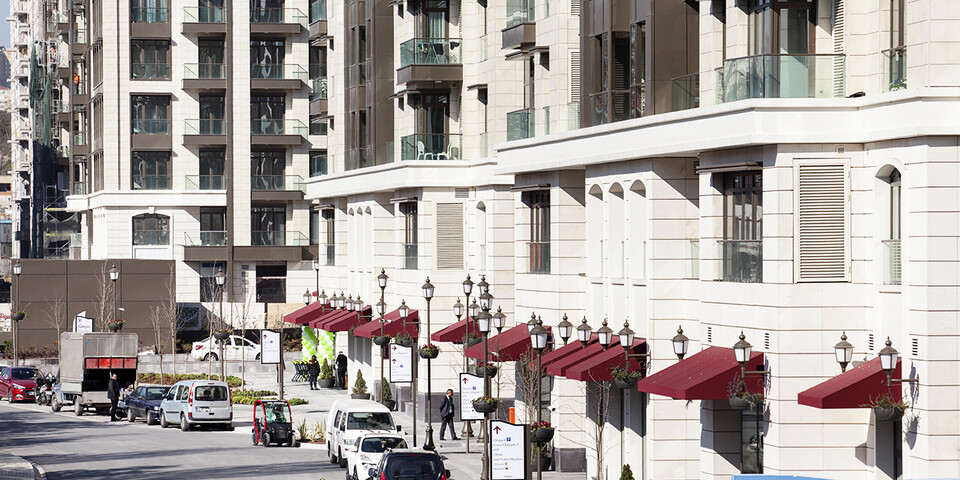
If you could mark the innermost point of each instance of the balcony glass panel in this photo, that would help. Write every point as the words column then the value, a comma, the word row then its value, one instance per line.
column 782, row 76
column 686, row 92
column 893, row 69
column 520, row 11
column 520, row 124
column 331, row 255
column 203, row 15
column 431, row 51
column 276, row 71
column 573, row 116
column 891, row 262
column 211, row 238
column 318, row 10
column 204, row 71
column 151, row 127
column 278, row 238
column 539, row 257
column 78, row 188
column 79, row 36
column 742, row 261
column 150, row 71
column 150, row 15
column 358, row 74
column 318, row 164
column 80, row 138
column 278, row 15
column 204, row 182
column 410, row 256
column 428, row 146
column 277, row 182
column 205, row 126
column 151, row 182
column 320, row 87
column 277, row 127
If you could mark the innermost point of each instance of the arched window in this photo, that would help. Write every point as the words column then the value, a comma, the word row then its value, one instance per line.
column 151, row 229
column 894, row 180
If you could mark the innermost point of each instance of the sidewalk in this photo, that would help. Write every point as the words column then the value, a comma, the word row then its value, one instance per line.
column 15, row 468
column 462, row 465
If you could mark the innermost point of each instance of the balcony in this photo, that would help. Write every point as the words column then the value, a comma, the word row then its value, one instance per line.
column 78, row 188
column 430, row 146
column 150, row 182
column 410, row 256
column 520, row 124
column 318, row 164
column 150, row 71
column 284, row 21
column 891, row 262
column 358, row 158
column 150, row 22
column 430, row 63
column 331, row 251
column 685, row 92
column 151, row 134
column 893, row 69
column 614, row 106
column 741, row 261
column 277, row 132
column 521, row 31
column 204, row 20
column 204, row 182
column 277, row 76
column 318, row 19
column 276, row 188
column 205, row 131
column 278, row 238
column 150, row 15
column 204, row 76
column 781, row 76
column 204, row 246
column 318, row 96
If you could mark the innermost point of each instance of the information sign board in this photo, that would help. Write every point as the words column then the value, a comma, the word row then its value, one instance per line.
column 471, row 388
column 269, row 347
column 508, row 451
column 401, row 363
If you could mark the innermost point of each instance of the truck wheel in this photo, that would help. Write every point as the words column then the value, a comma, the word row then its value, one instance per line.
column 55, row 405
column 77, row 407
column 163, row 420
column 343, row 461
column 184, row 424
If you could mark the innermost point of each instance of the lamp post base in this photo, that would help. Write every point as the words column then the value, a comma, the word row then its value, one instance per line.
column 429, row 445
column 467, row 429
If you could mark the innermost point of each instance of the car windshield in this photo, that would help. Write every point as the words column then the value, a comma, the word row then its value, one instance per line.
column 155, row 393
column 277, row 414
column 414, row 467
column 369, row 421
column 21, row 373
column 381, row 444
column 210, row 393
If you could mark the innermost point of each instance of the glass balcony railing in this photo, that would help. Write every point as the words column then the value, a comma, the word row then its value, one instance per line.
column 358, row 74
column 278, row 238
column 211, row 238
column 150, row 182
column 573, row 115
column 781, row 76
column 277, row 182
column 151, row 127
column 150, row 15
column 203, row 15
column 204, row 182
column 205, row 126
column 891, row 262
column 78, row 188
column 318, row 10
column 520, row 124
column 276, row 71
column 278, row 15
column 318, row 127
column 893, row 69
column 410, row 256
column 331, row 255
column 277, row 127
column 539, row 257
column 78, row 36
column 431, row 51
column 204, row 71
column 318, row 165
column 520, row 11
column 430, row 146
column 150, row 71
column 685, row 92
column 320, row 88
column 742, row 261
column 80, row 138
column 358, row 158
column 609, row 107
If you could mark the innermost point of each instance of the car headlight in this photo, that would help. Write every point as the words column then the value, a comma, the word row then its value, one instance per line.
column 365, row 459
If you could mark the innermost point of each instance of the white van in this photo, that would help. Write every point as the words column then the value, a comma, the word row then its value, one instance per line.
column 197, row 402
column 348, row 419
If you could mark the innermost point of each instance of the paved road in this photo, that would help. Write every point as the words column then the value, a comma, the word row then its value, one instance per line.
column 90, row 447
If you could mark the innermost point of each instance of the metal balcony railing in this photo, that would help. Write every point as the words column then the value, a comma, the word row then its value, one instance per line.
column 204, row 71
column 205, row 126
column 278, row 238
column 211, row 238
column 204, row 182
column 277, row 127
column 431, row 146
column 278, row 15
column 277, row 71
column 893, row 68
column 741, row 261
column 781, row 76
column 203, row 15
column 891, row 262
column 277, row 182
column 431, row 51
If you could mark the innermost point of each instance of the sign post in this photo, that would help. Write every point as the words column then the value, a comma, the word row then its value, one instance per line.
column 82, row 324
column 401, row 364
column 471, row 388
column 508, row 450
column 271, row 354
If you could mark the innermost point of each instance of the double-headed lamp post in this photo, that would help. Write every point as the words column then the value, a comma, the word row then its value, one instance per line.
column 538, row 339
column 382, row 310
column 114, row 276
column 17, row 270
column 483, row 324
column 428, row 288
column 221, row 279
column 404, row 311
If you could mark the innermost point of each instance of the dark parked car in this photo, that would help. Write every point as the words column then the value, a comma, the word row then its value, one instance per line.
column 145, row 402
column 410, row 464
column 16, row 383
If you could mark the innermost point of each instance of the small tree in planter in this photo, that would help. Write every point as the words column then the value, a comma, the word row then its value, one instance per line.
column 326, row 375
column 886, row 409
column 360, row 388
column 626, row 473
column 386, row 395
column 429, row 351
column 624, row 378
column 740, row 398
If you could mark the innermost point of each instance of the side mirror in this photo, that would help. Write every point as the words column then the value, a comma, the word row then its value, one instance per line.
column 446, row 472
column 399, row 428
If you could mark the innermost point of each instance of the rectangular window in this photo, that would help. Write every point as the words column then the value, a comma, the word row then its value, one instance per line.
column 211, row 169
column 314, row 227
column 410, row 254
column 267, row 225
column 266, row 58
column 539, row 204
column 318, row 163
column 151, row 230
column 742, row 252
column 267, row 168
column 212, row 113
column 150, row 59
column 331, row 238
column 150, row 114
column 272, row 283
column 213, row 230
column 150, row 171
column 266, row 114
column 149, row 11
column 209, row 291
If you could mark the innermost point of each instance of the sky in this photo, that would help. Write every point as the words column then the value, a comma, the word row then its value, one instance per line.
column 4, row 24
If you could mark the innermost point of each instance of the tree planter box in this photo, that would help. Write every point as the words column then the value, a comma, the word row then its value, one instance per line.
column 221, row 336
column 430, row 354
column 541, row 435
column 390, row 404
column 381, row 340
column 626, row 384
column 491, row 371
column 888, row 414
column 485, row 407
column 360, row 396
column 325, row 382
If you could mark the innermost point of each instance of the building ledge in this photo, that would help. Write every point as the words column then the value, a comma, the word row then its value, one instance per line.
column 146, row 199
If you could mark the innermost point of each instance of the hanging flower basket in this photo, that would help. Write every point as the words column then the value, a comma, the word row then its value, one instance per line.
column 486, row 404
column 115, row 325
column 381, row 340
column 429, row 351
column 473, row 341
column 541, row 432
column 17, row 316
column 221, row 335
column 888, row 414
column 738, row 403
column 405, row 340
column 491, row 369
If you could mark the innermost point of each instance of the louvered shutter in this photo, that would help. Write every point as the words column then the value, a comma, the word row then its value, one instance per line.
column 449, row 236
column 574, row 7
column 839, row 37
column 822, row 221
column 574, row 76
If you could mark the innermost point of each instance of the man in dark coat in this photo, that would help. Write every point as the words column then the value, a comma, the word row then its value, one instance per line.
column 113, row 393
column 447, row 411
column 313, row 370
column 341, row 371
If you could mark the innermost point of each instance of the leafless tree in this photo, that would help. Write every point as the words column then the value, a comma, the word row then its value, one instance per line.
column 56, row 316
column 598, row 410
column 244, row 308
column 102, row 298
column 165, row 318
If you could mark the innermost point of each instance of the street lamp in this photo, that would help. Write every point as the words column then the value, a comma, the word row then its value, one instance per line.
column 17, row 270
column 428, row 288
column 382, row 310
column 322, row 298
column 742, row 351
column 583, row 332
column 350, row 303
column 538, row 339
column 358, row 304
column 306, row 297
column 221, row 279
column 458, row 309
column 473, row 310
column 485, row 299
column 565, row 329
column 888, row 362
column 532, row 322
column 483, row 285
column 605, row 335
column 499, row 320
column 316, row 268
column 342, row 301
column 680, row 343
column 844, row 351
column 483, row 324
column 114, row 276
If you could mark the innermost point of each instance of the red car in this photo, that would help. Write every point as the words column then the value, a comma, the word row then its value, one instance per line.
column 16, row 383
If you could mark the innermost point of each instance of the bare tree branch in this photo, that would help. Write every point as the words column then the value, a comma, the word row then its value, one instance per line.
column 56, row 315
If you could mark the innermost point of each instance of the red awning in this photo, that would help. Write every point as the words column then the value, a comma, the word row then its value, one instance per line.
column 455, row 333
column 559, row 367
column 703, row 376
column 505, row 347
column 852, row 389
column 326, row 317
column 346, row 320
column 565, row 351
column 308, row 313
column 393, row 325
column 596, row 368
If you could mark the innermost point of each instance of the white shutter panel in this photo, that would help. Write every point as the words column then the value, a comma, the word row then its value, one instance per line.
column 449, row 236
column 839, row 37
column 822, row 226
column 574, row 76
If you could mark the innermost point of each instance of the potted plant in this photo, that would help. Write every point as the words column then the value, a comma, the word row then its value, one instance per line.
column 486, row 404
column 115, row 325
column 429, row 351
column 473, row 339
column 381, row 340
column 624, row 378
column 221, row 334
column 740, row 398
column 360, row 388
column 326, row 375
column 886, row 409
column 541, row 455
column 17, row 315
column 489, row 366
column 626, row 473
column 405, row 340
column 541, row 432
column 386, row 396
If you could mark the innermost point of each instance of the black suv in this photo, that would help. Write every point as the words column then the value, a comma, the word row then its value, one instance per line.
column 412, row 464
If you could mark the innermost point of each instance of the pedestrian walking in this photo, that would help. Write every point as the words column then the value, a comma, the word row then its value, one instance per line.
column 341, row 371
column 313, row 370
column 113, row 393
column 447, row 411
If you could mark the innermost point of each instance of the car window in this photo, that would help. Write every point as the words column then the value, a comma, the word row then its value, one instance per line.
column 182, row 393
column 24, row 373
column 381, row 444
column 5, row 373
column 369, row 421
column 249, row 343
column 414, row 466
column 336, row 419
column 153, row 393
column 210, row 393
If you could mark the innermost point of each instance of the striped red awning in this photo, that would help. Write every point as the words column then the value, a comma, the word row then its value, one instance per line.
column 565, row 351
column 505, row 347
column 346, row 320
column 703, row 376
column 326, row 317
column 393, row 325
column 597, row 367
column 852, row 389
column 308, row 313
column 455, row 333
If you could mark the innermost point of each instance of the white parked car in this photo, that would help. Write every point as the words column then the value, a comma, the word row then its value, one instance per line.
column 236, row 348
column 348, row 420
column 367, row 452
column 197, row 402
